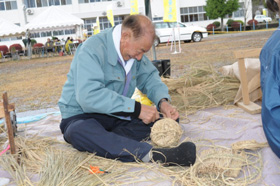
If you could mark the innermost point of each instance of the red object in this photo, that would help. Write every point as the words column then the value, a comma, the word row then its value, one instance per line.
column 235, row 25
column 96, row 170
column 60, row 53
column 210, row 27
column 4, row 49
column 18, row 47
column 250, row 22
column 38, row 45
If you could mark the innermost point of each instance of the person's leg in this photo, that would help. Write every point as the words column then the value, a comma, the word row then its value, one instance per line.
column 134, row 129
column 184, row 154
column 88, row 134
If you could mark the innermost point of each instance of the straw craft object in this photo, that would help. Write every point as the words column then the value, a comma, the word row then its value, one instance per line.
column 166, row 133
column 221, row 161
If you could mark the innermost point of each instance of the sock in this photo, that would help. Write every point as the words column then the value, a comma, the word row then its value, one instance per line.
column 147, row 158
column 184, row 155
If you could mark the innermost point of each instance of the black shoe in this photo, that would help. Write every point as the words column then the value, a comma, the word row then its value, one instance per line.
column 183, row 155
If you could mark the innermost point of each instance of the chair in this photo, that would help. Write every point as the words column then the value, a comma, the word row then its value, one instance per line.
column 73, row 46
column 39, row 49
column 16, row 51
column 4, row 51
column 5, row 112
column 246, row 104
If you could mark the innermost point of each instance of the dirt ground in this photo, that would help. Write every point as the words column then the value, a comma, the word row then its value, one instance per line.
column 37, row 83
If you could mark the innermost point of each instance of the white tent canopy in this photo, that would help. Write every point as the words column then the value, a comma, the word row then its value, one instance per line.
column 53, row 18
column 9, row 29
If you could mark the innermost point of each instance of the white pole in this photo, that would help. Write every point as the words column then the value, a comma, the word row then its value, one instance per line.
column 179, row 39
column 175, row 52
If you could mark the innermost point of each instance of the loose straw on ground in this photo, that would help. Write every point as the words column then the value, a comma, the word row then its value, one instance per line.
column 59, row 164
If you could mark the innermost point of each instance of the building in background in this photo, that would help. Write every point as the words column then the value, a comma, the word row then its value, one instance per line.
column 190, row 12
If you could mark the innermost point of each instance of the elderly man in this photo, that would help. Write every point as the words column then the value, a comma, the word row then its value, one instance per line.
column 98, row 114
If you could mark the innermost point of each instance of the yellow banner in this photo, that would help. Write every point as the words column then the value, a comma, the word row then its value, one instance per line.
column 110, row 15
column 96, row 28
column 134, row 7
column 170, row 11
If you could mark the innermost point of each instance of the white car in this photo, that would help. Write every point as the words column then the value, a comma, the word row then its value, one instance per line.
column 170, row 31
column 262, row 18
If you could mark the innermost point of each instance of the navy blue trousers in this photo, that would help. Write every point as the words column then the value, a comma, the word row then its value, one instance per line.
column 107, row 136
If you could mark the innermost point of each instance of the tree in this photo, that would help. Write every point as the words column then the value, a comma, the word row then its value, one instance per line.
column 246, row 11
column 220, row 8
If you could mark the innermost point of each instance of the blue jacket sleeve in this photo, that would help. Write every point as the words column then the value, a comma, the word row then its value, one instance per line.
column 270, row 68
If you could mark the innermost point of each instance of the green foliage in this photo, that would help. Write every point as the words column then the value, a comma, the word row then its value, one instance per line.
column 242, row 23
column 33, row 41
column 229, row 22
column 220, row 8
column 217, row 23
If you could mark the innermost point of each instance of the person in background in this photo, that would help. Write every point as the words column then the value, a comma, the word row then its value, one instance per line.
column 49, row 45
column 98, row 114
column 67, row 43
column 270, row 85
column 57, row 46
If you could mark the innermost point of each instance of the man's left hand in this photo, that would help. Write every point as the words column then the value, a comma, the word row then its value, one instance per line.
column 169, row 111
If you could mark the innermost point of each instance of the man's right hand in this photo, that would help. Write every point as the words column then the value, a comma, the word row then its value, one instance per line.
column 148, row 114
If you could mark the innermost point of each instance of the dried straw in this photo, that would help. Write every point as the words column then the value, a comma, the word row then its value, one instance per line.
column 249, row 145
column 60, row 164
column 202, row 87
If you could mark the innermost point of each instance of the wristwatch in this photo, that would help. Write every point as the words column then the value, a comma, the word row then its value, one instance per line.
column 161, row 101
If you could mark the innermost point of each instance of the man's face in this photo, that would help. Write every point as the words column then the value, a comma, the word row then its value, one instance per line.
column 135, row 48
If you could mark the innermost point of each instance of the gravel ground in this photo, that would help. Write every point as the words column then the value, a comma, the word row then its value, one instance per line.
column 41, row 79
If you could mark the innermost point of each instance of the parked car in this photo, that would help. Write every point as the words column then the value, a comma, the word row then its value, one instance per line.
column 263, row 18
column 167, row 31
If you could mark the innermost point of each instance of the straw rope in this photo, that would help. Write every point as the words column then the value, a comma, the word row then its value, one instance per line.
column 166, row 133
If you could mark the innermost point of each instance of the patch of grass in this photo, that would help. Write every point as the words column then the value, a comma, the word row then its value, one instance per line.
column 36, row 87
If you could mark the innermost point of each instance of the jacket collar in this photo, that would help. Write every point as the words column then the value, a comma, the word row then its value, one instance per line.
column 111, row 52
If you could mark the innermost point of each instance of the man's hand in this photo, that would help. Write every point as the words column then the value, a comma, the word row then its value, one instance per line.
column 148, row 114
column 168, row 110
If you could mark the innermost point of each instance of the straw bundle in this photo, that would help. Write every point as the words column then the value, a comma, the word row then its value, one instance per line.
column 248, row 144
column 166, row 133
column 32, row 151
column 202, row 87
